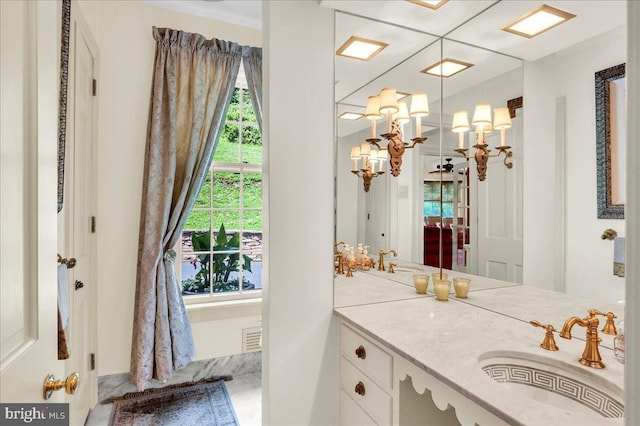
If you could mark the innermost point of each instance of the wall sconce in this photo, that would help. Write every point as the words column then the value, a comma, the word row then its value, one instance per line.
column 482, row 123
column 370, row 157
column 397, row 113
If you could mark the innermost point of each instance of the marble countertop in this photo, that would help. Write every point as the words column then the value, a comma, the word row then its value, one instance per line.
column 447, row 339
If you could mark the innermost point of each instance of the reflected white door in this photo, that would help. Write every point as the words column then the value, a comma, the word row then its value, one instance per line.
column 79, row 208
column 377, row 216
column 499, row 248
column 29, row 34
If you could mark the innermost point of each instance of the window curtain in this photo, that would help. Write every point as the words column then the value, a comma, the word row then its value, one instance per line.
column 252, row 61
column 193, row 80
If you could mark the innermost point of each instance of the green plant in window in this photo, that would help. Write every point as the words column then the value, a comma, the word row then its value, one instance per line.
column 219, row 265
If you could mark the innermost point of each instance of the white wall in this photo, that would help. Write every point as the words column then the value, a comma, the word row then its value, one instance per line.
column 568, row 74
column 300, row 332
column 122, row 30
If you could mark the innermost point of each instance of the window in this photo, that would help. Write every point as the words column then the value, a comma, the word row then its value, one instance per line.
column 431, row 205
column 221, row 247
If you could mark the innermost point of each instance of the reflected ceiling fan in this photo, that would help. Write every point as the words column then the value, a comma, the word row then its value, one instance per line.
column 444, row 168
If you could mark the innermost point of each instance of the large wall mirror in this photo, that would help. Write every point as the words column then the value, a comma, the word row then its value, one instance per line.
column 517, row 220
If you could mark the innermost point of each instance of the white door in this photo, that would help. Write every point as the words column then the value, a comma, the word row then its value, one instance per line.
column 29, row 73
column 377, row 206
column 499, row 201
column 78, row 210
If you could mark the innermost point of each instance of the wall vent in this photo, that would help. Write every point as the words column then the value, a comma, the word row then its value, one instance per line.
column 251, row 339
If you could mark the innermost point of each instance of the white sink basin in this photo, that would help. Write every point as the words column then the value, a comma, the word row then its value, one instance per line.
column 553, row 382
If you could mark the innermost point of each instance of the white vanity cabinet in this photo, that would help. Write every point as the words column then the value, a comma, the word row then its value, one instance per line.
column 376, row 389
column 366, row 376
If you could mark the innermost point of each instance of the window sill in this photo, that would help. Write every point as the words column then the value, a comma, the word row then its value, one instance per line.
column 211, row 311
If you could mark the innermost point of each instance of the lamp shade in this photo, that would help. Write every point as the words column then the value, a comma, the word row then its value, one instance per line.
column 482, row 115
column 355, row 152
column 373, row 155
column 373, row 108
column 402, row 116
column 388, row 101
column 419, row 104
column 365, row 149
column 460, row 122
column 383, row 155
column 501, row 118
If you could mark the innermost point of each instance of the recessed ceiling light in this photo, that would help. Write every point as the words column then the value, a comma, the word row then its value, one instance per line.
column 537, row 21
column 360, row 48
column 431, row 4
column 350, row 115
column 447, row 67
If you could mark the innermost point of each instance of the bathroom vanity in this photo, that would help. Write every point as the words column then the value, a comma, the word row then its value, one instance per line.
column 407, row 358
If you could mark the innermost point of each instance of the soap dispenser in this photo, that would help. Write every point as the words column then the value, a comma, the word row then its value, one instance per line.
column 366, row 260
column 360, row 256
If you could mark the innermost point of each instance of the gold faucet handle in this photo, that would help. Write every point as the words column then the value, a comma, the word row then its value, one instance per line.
column 609, row 325
column 391, row 266
column 549, row 342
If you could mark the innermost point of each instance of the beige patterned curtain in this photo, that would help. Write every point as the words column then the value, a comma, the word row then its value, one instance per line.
column 252, row 61
column 193, row 80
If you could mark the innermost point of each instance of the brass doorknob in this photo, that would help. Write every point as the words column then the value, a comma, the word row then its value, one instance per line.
column 361, row 352
column 51, row 385
column 360, row 389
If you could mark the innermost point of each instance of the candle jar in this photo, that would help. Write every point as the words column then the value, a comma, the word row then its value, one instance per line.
column 461, row 286
column 442, row 288
column 421, row 282
column 436, row 276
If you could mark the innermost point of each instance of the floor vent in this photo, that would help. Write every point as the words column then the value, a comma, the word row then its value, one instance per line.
column 251, row 339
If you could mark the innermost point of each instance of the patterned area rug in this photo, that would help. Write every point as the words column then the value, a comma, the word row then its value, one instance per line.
column 184, row 405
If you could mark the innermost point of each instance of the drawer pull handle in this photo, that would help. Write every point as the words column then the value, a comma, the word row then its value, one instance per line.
column 360, row 389
column 361, row 352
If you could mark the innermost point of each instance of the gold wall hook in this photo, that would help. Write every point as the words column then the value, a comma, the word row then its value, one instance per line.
column 51, row 385
column 549, row 342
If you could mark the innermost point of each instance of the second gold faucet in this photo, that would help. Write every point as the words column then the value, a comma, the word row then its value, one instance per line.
column 382, row 253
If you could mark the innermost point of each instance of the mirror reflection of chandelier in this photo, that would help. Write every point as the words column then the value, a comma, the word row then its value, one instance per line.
column 397, row 113
column 370, row 158
column 483, row 124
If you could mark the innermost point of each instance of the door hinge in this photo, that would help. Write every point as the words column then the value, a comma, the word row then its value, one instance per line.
column 92, row 361
column 94, row 87
column 93, row 224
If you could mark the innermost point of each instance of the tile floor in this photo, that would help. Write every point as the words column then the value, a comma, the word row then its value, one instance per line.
column 245, row 390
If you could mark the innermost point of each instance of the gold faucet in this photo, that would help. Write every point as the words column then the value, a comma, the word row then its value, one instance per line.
column 591, row 355
column 337, row 258
column 381, row 258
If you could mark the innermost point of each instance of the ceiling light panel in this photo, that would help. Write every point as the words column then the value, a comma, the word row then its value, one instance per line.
column 350, row 115
column 360, row 48
column 539, row 20
column 431, row 4
column 447, row 67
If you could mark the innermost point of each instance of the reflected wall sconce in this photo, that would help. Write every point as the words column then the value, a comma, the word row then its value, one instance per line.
column 370, row 158
column 483, row 124
column 397, row 113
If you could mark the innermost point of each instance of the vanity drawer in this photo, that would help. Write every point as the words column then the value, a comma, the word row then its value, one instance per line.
column 369, row 396
column 351, row 414
column 368, row 357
